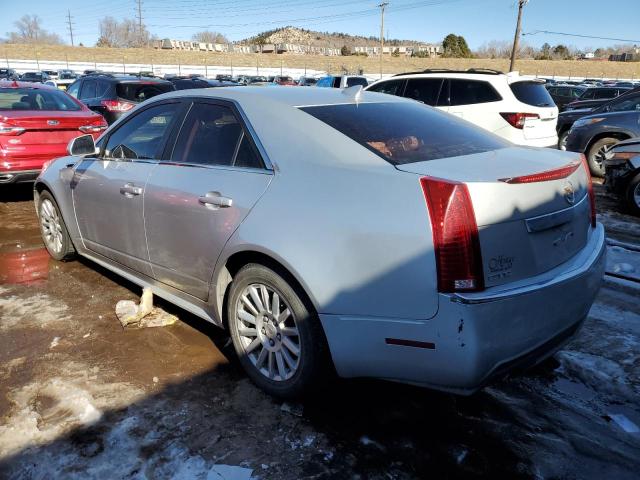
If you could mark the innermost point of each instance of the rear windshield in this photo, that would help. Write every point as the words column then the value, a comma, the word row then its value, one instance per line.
column 408, row 132
column 351, row 81
column 139, row 92
column 532, row 93
column 36, row 99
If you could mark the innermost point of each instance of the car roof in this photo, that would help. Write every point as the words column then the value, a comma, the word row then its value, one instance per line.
column 125, row 78
column 289, row 96
column 19, row 84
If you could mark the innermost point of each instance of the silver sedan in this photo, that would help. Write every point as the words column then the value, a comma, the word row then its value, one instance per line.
column 336, row 230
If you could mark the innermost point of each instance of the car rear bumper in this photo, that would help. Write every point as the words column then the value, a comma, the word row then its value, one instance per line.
column 474, row 337
column 19, row 176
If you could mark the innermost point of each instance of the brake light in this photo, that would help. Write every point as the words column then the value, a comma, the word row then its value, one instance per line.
column 117, row 106
column 517, row 120
column 92, row 128
column 455, row 235
column 10, row 130
column 546, row 176
column 592, row 195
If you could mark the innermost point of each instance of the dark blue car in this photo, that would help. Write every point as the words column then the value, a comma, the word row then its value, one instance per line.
column 595, row 134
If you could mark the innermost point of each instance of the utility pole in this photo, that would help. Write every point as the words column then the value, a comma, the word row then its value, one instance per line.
column 139, row 21
column 516, row 38
column 382, row 7
column 70, row 25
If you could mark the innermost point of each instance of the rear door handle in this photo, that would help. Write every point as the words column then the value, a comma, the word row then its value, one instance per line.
column 129, row 190
column 215, row 199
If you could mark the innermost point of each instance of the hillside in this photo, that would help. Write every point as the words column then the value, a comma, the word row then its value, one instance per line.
column 320, row 39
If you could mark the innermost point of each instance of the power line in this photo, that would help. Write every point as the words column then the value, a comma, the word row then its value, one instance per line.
column 535, row 32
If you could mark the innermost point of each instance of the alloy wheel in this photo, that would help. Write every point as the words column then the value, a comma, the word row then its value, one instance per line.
column 51, row 226
column 601, row 154
column 268, row 333
column 636, row 195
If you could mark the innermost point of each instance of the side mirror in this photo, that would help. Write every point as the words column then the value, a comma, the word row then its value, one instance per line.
column 83, row 145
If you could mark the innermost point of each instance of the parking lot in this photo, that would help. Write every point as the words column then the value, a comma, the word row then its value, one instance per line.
column 81, row 397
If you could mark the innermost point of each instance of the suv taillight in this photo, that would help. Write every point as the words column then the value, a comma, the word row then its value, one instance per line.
column 117, row 106
column 592, row 195
column 455, row 235
column 517, row 120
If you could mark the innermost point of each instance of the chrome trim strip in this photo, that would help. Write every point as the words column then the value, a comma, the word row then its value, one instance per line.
column 550, row 220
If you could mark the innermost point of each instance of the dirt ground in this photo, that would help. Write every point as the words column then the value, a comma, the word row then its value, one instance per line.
column 370, row 65
column 81, row 398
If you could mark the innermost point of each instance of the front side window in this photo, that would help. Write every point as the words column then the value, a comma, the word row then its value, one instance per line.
column 392, row 87
column 425, row 90
column 406, row 132
column 626, row 105
column 74, row 89
column 142, row 137
column 36, row 99
column 212, row 135
column 588, row 95
column 605, row 94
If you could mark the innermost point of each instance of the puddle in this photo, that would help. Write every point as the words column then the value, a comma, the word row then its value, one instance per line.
column 23, row 265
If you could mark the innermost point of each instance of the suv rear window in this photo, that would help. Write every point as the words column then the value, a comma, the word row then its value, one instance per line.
column 532, row 93
column 406, row 132
column 139, row 92
column 351, row 81
column 36, row 99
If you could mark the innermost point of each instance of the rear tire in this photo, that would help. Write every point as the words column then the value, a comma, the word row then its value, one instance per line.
column 279, row 340
column 632, row 195
column 53, row 229
column 562, row 140
column 596, row 153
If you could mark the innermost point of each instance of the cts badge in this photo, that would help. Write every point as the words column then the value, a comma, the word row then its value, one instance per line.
column 569, row 193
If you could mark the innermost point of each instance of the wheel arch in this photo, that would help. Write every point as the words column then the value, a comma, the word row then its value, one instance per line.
column 240, row 258
column 620, row 135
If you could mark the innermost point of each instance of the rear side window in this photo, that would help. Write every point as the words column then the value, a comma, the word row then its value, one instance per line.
column 406, row 132
column 139, row 92
column 588, row 95
column 212, row 135
column 532, row 93
column 470, row 92
column 606, row 93
column 88, row 89
column 425, row 90
column 36, row 99
column 392, row 87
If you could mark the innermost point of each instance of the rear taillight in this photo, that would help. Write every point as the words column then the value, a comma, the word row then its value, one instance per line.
column 92, row 128
column 10, row 130
column 117, row 106
column 455, row 235
column 592, row 195
column 517, row 120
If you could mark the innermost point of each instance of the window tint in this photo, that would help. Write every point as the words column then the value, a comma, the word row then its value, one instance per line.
column 470, row 92
column 588, row 95
column 88, row 89
column 605, row 93
column 139, row 92
column 406, row 132
column 628, row 104
column 246, row 156
column 425, row 90
column 209, row 136
column 351, row 81
column 36, row 99
column 577, row 92
column 102, row 88
column 392, row 87
column 336, row 82
column 73, row 89
column 143, row 135
column 532, row 93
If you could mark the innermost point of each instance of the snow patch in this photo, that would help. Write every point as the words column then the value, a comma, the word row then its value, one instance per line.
column 38, row 311
column 601, row 374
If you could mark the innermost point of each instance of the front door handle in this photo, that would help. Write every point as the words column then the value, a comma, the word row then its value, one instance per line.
column 129, row 190
column 215, row 199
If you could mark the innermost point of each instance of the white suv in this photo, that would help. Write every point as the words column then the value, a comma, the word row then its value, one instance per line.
column 512, row 106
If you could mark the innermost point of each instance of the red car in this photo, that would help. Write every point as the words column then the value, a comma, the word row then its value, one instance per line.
column 36, row 124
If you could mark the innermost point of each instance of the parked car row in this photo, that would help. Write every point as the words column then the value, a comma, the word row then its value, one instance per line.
column 571, row 97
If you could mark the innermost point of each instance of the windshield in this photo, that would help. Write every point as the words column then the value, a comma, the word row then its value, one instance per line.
column 407, row 132
column 36, row 99
column 532, row 93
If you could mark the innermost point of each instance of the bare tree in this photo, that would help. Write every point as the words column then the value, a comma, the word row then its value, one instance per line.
column 208, row 36
column 125, row 33
column 29, row 30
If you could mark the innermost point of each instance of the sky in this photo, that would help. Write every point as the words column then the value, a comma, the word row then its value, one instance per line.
column 479, row 21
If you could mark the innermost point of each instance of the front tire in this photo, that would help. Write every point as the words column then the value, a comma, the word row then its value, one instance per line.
column 596, row 155
column 633, row 195
column 562, row 140
column 278, row 339
column 53, row 229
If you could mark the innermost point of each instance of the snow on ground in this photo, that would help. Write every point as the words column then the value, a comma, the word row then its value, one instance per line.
column 38, row 310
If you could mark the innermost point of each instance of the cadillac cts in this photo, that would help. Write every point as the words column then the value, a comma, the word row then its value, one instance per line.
column 331, row 229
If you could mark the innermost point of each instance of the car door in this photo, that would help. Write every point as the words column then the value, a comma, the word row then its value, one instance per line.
column 196, row 200
column 108, row 190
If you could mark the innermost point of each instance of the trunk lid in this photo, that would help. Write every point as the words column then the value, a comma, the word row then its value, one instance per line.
column 524, row 228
